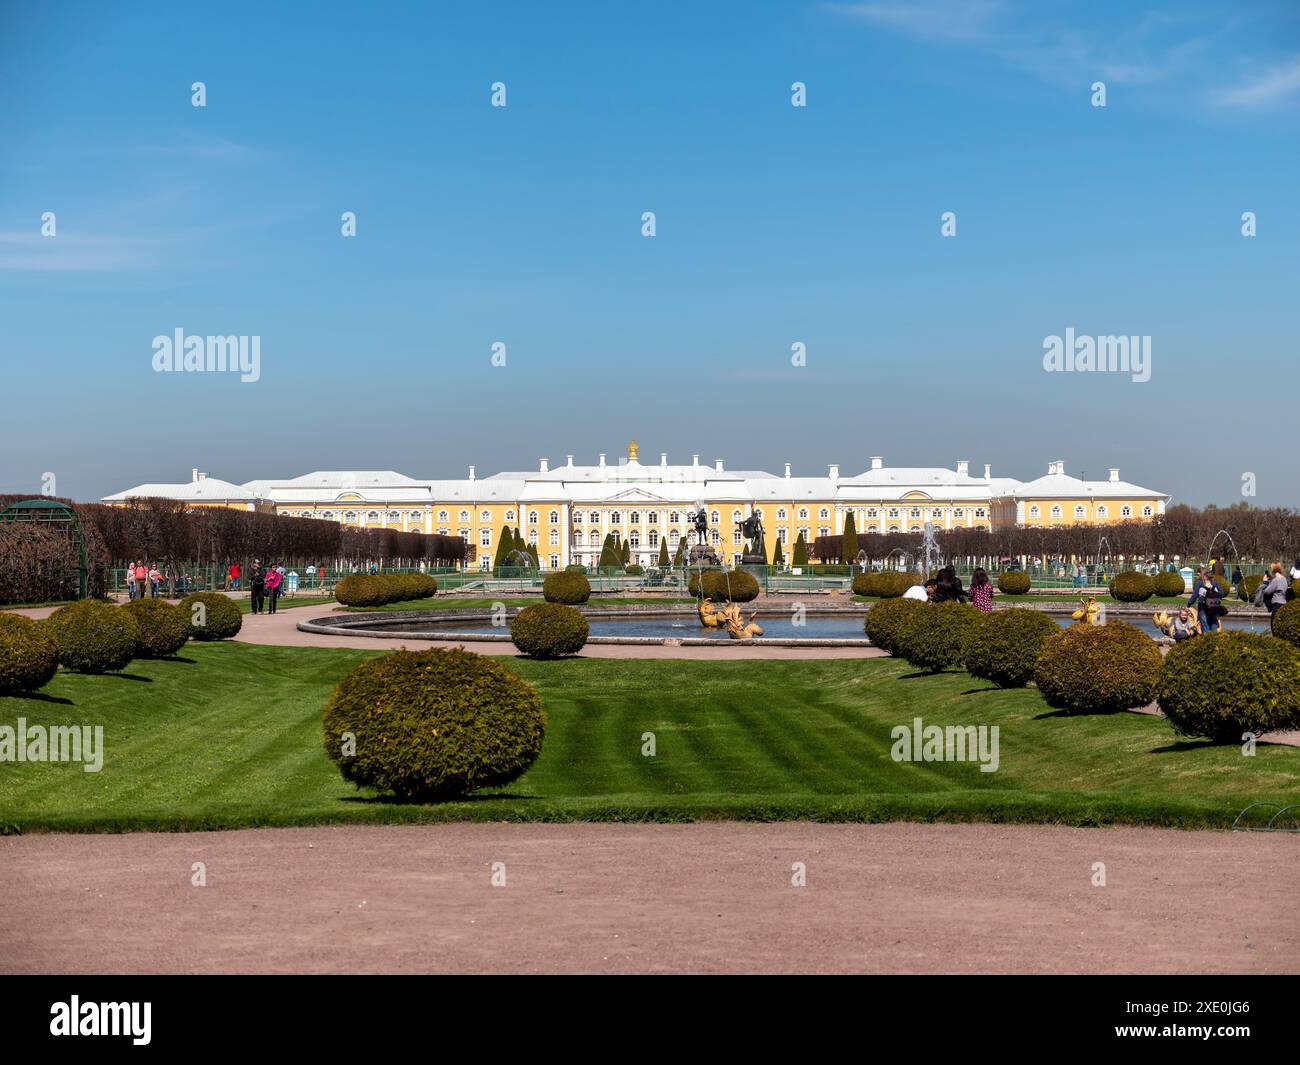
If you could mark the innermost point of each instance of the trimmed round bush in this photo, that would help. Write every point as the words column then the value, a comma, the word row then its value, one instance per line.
column 1286, row 623
column 1223, row 684
column 886, row 584
column 570, row 588
column 419, row 585
column 94, row 637
column 1248, row 586
column 1014, row 582
column 360, row 589
column 163, row 628
column 934, row 637
column 433, row 725
column 1131, row 586
column 634, row 570
column 28, row 655
column 1168, row 583
column 219, row 618
column 1091, row 669
column 887, row 620
column 549, row 630
column 721, row 585
column 1004, row 646
column 575, row 569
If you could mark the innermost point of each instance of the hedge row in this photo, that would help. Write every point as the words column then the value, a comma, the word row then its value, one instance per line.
column 721, row 585
column 379, row 589
column 884, row 584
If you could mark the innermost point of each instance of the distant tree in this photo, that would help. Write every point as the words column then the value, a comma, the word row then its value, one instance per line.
column 850, row 548
column 800, row 552
column 663, row 554
column 626, row 554
column 610, row 556
column 679, row 559
column 778, row 558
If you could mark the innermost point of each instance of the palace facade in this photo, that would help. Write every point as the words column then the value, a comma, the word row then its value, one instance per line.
column 568, row 511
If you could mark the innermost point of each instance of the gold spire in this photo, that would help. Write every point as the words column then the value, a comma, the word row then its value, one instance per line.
column 631, row 451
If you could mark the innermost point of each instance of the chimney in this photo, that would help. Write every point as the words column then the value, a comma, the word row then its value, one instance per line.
column 1114, row 475
column 988, row 471
column 471, row 473
column 835, row 472
column 545, row 466
column 787, row 469
column 570, row 460
column 963, row 468
column 663, row 458
column 695, row 460
column 194, row 473
column 877, row 462
column 602, row 459
column 717, row 465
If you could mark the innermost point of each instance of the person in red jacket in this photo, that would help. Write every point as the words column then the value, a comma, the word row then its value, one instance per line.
column 234, row 576
column 273, row 582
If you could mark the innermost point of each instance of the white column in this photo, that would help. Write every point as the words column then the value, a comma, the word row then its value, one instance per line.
column 564, row 535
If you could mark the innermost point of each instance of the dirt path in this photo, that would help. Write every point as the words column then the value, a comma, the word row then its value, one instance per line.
column 897, row 898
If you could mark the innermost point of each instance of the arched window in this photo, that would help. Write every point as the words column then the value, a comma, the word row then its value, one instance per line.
column 979, row 513
column 1056, row 512
column 485, row 515
column 1126, row 512
column 956, row 512
column 464, row 535
column 735, row 538
column 824, row 513
column 532, row 537
column 893, row 513
column 351, row 516
column 674, row 518
column 510, row 515
column 1034, row 512
column 577, row 538
column 464, row 515
column 634, row 518
column 871, row 512
column 715, row 517
column 634, row 538
column 652, row 518
column 394, row 516
column 616, row 518
column 443, row 515
column 532, row 517
column 555, row 537
column 595, row 518
column 485, row 537
column 735, row 515
column 306, row 514
column 1146, row 512
column 674, row 537
column 1101, row 511
column 652, row 538
column 803, row 513
column 444, row 532
column 415, row 515
column 916, row 512
column 372, row 515
column 915, row 528
column 328, row 515
column 554, row 517
column 893, row 528
column 716, row 537
column 1079, row 512
column 780, row 514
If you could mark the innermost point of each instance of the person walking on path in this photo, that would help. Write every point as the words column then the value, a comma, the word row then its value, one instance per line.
column 273, row 582
column 155, row 580
column 141, row 578
column 256, row 588
column 234, row 576
column 1207, row 598
column 130, row 581
column 981, row 592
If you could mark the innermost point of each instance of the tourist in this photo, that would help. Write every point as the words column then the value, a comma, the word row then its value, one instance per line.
column 234, row 576
column 1237, row 576
column 141, row 578
column 1272, row 592
column 155, row 580
column 257, row 587
column 1295, row 570
column 273, row 580
column 1207, row 598
column 948, row 587
column 130, row 581
column 981, row 592
column 1182, row 626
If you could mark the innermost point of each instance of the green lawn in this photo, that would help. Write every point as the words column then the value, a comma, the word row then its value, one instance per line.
column 230, row 736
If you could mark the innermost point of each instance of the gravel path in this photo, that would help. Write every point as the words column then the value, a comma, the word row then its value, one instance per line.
column 714, row 897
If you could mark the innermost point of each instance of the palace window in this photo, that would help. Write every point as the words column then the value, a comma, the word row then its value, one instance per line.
column 1079, row 513
column 715, row 537
column 464, row 515
column 555, row 537
column 780, row 514
column 957, row 512
column 555, row 562
column 555, row 517
column 915, row 528
column 443, row 515
column 464, row 535
column 893, row 513
column 1101, row 511
column 532, row 517
column 595, row 517
column 735, row 515
column 735, row 538
column 804, row 534
column 979, row 513
column 372, row 516
column 872, row 528
column 634, row 538
column 674, row 518
column 781, row 535
column 577, row 538
column 916, row 512
column 652, row 518
column 444, row 532
column 634, row 518
column 1034, row 512
column 893, row 528
column 803, row 513
column 1146, row 512
column 532, row 537
column 1126, row 512
column 824, row 514
column 306, row 514
column 615, row 518
column 510, row 515
column 1056, row 512
column 415, row 515
column 823, row 531
column 351, row 516
column 577, row 517
column 394, row 516
column 674, row 537
column 715, row 517
column 485, row 537
column 653, row 538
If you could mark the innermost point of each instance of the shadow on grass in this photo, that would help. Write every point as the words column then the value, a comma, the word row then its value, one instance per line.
column 977, row 691
column 924, row 673
column 1188, row 745
column 393, row 800
column 41, row 697
column 179, row 660
column 127, row 676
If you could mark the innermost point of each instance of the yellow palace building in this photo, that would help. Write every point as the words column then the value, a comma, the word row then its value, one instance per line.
column 567, row 511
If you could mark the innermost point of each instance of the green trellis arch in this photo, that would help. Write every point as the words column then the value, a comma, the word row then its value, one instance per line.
column 56, row 515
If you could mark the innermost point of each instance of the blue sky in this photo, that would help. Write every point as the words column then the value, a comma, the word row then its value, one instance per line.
column 775, row 224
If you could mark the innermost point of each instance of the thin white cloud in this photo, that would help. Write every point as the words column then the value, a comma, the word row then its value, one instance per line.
column 31, row 251
column 1269, row 89
column 947, row 20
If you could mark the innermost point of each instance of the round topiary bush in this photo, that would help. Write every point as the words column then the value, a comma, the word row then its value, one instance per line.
column 1014, row 582
column 549, row 630
column 1168, row 583
column 887, row 620
column 362, row 589
column 94, row 637
column 575, row 569
column 433, row 725
column 570, row 588
column 211, row 616
column 1248, row 586
column 1132, row 587
column 886, row 584
column 934, row 637
column 163, row 628
column 1092, row 669
column 1004, row 646
column 418, row 585
column 28, row 656
column 634, row 570
column 1286, row 622
column 721, row 585
column 1223, row 684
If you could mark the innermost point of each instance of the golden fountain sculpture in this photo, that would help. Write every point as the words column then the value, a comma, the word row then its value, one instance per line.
column 729, row 618
column 1087, row 612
